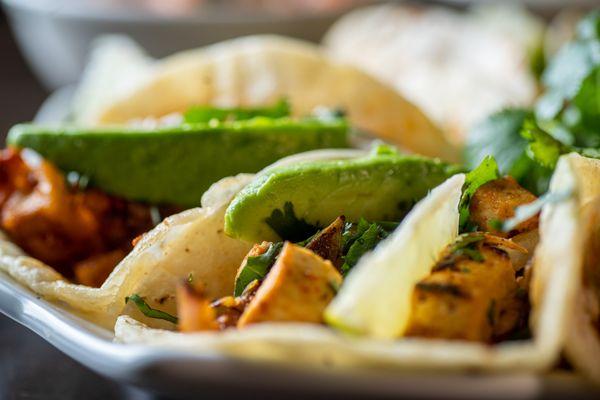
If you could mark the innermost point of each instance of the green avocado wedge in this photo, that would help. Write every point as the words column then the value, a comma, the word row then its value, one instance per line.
column 175, row 165
column 290, row 202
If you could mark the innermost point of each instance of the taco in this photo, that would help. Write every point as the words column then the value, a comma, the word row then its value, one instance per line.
column 489, row 299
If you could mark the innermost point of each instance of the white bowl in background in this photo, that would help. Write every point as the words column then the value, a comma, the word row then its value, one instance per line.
column 54, row 35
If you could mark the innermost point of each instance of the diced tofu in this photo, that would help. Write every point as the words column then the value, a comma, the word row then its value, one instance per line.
column 496, row 201
column 467, row 299
column 298, row 288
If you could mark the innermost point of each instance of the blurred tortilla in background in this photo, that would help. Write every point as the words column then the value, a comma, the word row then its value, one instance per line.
column 457, row 67
column 249, row 71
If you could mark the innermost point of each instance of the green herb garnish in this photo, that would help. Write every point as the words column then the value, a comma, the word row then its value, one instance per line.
column 566, row 117
column 545, row 149
column 288, row 226
column 149, row 311
column 205, row 114
column 465, row 245
column 572, row 97
column 256, row 268
column 499, row 135
column 362, row 237
column 486, row 171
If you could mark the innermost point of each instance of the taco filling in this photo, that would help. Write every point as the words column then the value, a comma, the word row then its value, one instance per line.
column 82, row 232
column 476, row 291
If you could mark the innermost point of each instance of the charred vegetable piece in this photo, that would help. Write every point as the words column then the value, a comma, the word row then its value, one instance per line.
column 194, row 311
column 328, row 243
column 298, row 288
column 496, row 201
column 472, row 295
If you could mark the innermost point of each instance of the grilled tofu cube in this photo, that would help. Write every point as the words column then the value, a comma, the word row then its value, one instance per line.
column 467, row 299
column 298, row 288
column 496, row 201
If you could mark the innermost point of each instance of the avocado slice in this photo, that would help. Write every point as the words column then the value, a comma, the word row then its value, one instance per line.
column 175, row 165
column 290, row 202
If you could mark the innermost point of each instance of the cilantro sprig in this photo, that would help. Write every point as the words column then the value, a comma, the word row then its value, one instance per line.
column 256, row 268
column 362, row 237
column 545, row 149
column 149, row 311
column 288, row 226
column 486, row 171
column 205, row 114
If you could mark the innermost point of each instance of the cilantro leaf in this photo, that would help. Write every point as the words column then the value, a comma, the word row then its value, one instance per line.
column 149, row 311
column 358, row 239
column 204, row 114
column 486, row 171
column 288, row 226
column 545, row 149
column 542, row 147
column 256, row 268
column 383, row 149
column 572, row 97
column 499, row 135
column 464, row 245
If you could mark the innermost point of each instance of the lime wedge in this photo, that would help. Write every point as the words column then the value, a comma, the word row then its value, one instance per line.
column 375, row 297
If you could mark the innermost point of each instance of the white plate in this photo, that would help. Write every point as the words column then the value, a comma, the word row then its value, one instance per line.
column 174, row 371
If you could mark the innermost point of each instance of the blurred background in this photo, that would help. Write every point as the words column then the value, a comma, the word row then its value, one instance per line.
column 45, row 46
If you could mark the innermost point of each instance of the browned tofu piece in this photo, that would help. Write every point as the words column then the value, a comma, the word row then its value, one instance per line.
column 298, row 288
column 194, row 311
column 496, row 201
column 467, row 299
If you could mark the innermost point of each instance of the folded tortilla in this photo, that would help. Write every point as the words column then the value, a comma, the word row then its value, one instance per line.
column 258, row 70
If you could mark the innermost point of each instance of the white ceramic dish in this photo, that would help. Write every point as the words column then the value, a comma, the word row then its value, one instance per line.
column 62, row 32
